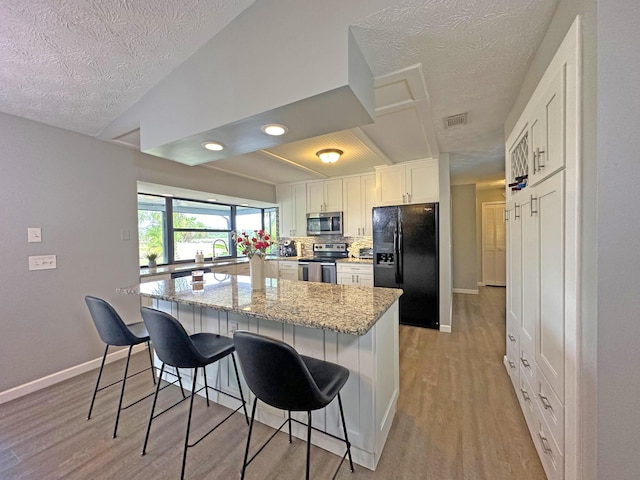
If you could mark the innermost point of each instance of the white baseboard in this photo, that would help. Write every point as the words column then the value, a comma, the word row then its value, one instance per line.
column 466, row 290
column 40, row 383
column 481, row 284
column 445, row 328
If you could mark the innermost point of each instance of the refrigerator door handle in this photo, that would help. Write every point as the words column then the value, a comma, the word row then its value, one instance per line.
column 399, row 260
column 395, row 253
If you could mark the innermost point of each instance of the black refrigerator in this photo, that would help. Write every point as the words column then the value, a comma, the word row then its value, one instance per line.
column 405, row 255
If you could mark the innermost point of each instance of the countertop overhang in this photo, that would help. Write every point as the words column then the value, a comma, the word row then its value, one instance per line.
column 340, row 308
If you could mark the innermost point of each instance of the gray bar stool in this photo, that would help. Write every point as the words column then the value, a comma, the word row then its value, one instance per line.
column 114, row 332
column 281, row 377
column 176, row 348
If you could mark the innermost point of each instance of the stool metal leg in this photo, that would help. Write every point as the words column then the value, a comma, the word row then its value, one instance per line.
column 186, row 437
column 346, row 438
column 308, row 443
column 153, row 373
column 246, row 451
column 289, row 412
column 124, row 381
column 244, row 404
column 95, row 390
column 153, row 407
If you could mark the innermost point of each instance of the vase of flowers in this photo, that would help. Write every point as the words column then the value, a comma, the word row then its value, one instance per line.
column 254, row 245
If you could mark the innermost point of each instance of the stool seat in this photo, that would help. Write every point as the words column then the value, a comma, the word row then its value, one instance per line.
column 282, row 378
column 212, row 347
column 114, row 332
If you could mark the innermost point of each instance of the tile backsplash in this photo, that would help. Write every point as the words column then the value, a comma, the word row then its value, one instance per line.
column 354, row 244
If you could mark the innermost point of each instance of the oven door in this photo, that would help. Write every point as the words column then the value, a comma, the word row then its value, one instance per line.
column 328, row 272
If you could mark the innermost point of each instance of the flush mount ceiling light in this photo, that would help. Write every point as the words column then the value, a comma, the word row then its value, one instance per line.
column 215, row 146
column 274, row 129
column 329, row 155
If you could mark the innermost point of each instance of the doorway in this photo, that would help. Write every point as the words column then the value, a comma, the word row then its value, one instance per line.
column 493, row 244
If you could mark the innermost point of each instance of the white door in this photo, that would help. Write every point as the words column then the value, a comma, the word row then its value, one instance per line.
column 493, row 244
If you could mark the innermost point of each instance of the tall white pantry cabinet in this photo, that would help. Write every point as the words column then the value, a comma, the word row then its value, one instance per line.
column 542, row 250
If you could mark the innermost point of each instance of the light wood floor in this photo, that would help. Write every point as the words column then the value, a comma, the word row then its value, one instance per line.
column 458, row 418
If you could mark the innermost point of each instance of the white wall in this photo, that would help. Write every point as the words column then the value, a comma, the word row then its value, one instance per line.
column 463, row 234
column 82, row 193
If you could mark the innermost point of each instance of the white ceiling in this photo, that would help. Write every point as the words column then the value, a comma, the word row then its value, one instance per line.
column 82, row 65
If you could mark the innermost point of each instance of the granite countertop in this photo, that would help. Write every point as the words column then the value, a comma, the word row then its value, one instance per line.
column 362, row 261
column 181, row 267
column 340, row 308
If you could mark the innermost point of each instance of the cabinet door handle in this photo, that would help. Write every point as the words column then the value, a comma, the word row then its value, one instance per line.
column 540, row 153
column 512, row 338
column 506, row 216
column 545, row 402
column 408, row 198
column 515, row 210
column 545, row 443
column 525, row 394
column 533, row 199
column 511, row 364
column 525, row 362
column 403, row 201
column 534, row 161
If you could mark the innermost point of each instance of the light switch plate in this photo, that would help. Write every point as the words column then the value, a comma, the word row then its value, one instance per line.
column 42, row 262
column 34, row 234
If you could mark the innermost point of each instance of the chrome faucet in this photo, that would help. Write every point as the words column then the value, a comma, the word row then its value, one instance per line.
column 214, row 247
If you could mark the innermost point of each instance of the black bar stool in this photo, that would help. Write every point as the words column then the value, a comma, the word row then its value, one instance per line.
column 176, row 348
column 281, row 377
column 114, row 332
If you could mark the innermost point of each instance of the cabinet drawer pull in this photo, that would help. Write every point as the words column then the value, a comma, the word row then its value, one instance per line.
column 525, row 362
column 539, row 153
column 545, row 443
column 506, row 216
column 512, row 338
column 511, row 364
column 525, row 394
column 535, row 154
column 533, row 199
column 545, row 402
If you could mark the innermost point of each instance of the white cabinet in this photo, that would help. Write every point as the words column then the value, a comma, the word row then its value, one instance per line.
column 292, row 201
column 543, row 244
column 272, row 268
column 358, row 198
column 411, row 182
column 288, row 270
column 354, row 274
column 324, row 196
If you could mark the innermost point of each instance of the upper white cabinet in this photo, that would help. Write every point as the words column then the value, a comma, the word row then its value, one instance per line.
column 324, row 196
column 358, row 198
column 411, row 182
column 539, row 150
column 292, row 200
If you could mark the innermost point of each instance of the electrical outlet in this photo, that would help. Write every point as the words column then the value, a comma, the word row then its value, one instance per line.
column 34, row 234
column 42, row 262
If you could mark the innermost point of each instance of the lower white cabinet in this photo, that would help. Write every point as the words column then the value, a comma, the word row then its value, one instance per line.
column 272, row 268
column 350, row 274
column 288, row 270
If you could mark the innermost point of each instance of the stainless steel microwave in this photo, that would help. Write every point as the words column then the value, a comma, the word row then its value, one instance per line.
column 324, row 223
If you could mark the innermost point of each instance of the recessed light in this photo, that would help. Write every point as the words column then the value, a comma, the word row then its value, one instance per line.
column 274, row 129
column 244, row 204
column 215, row 146
column 167, row 194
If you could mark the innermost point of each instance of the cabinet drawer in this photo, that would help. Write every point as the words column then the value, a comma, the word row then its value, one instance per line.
column 512, row 365
column 527, row 365
column 354, row 269
column 513, row 336
column 288, row 266
column 548, row 451
column 551, row 408
column 526, row 396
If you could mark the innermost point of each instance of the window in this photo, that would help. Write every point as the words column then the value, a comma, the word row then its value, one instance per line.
column 178, row 228
column 152, row 227
column 197, row 225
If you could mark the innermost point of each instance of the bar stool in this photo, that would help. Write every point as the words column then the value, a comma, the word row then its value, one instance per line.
column 114, row 332
column 279, row 376
column 176, row 348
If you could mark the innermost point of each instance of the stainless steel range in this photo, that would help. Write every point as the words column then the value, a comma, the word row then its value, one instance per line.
column 322, row 266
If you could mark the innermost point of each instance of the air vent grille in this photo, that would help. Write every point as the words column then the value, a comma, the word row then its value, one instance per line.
column 455, row 120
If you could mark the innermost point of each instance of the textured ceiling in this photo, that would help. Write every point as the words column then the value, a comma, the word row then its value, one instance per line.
column 474, row 56
column 78, row 64
column 83, row 64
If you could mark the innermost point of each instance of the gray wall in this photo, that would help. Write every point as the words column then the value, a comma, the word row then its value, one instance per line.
column 482, row 196
column 82, row 193
column 463, row 228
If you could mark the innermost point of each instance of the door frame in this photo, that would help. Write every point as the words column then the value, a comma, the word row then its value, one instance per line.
column 482, row 242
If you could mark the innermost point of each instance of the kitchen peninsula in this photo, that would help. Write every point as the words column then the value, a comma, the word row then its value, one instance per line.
column 353, row 326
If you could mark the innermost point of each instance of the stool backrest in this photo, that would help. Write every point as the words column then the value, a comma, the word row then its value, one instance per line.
column 171, row 341
column 276, row 373
column 111, row 328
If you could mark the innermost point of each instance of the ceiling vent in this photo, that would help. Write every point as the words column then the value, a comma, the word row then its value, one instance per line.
column 454, row 120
